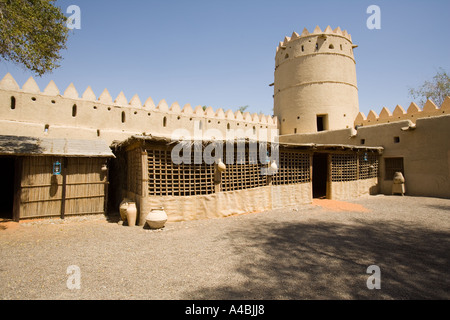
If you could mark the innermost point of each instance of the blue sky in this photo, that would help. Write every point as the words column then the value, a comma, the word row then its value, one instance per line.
column 221, row 53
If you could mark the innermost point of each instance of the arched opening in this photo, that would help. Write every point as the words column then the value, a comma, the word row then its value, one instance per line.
column 331, row 46
column 74, row 110
column 123, row 117
column 165, row 122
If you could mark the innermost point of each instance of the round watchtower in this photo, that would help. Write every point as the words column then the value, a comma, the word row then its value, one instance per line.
column 315, row 82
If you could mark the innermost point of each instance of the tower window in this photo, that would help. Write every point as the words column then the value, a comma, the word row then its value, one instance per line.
column 396, row 139
column 286, row 56
column 341, row 46
column 13, row 103
column 123, row 117
column 303, row 48
column 74, row 110
column 363, row 141
column 322, row 123
column 331, row 46
column 165, row 122
column 295, row 130
column 317, row 46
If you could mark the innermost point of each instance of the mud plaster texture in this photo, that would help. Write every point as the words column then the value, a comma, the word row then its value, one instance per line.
column 317, row 251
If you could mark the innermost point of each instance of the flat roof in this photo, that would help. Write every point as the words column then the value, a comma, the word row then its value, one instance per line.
column 308, row 146
column 30, row 146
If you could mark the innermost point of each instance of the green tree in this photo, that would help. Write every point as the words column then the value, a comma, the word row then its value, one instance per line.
column 32, row 34
column 436, row 89
column 243, row 109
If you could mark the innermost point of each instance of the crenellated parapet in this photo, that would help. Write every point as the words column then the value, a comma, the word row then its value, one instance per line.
column 27, row 110
column 413, row 113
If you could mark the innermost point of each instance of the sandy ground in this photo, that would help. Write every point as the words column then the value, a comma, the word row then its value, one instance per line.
column 318, row 251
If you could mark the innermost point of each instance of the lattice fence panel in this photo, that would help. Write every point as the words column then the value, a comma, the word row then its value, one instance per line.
column 169, row 179
column 368, row 166
column 344, row 167
column 294, row 167
column 134, row 179
column 243, row 171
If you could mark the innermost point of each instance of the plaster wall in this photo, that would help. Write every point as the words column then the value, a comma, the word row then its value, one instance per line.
column 315, row 74
column 424, row 147
column 30, row 112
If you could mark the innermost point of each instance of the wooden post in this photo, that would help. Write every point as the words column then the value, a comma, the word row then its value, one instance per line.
column 18, row 164
column 64, row 185
column 330, row 177
column 105, row 205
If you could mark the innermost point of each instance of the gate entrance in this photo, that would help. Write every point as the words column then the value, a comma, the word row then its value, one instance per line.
column 320, row 175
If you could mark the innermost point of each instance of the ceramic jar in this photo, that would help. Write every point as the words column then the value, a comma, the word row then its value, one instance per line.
column 123, row 209
column 157, row 218
column 131, row 214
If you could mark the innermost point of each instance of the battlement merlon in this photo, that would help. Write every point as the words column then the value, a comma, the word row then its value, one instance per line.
column 48, row 113
column 413, row 113
column 316, row 33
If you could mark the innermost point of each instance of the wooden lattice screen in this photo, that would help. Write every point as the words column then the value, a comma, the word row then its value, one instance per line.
column 169, row 179
column 393, row 165
column 243, row 170
column 368, row 166
column 294, row 167
column 134, row 177
column 344, row 167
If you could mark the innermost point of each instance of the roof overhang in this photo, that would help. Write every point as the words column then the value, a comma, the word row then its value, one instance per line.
column 305, row 146
column 30, row 146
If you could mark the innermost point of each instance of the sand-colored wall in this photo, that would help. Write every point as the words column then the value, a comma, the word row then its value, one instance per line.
column 413, row 113
column 70, row 115
column 353, row 189
column 224, row 204
column 311, row 81
column 425, row 147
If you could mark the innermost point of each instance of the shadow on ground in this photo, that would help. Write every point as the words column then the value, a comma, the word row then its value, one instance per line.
column 329, row 261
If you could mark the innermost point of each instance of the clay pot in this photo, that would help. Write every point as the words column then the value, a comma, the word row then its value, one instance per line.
column 221, row 166
column 131, row 214
column 123, row 209
column 398, row 178
column 157, row 218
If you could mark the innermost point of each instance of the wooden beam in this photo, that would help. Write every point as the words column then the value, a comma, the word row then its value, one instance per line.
column 64, row 185
column 18, row 170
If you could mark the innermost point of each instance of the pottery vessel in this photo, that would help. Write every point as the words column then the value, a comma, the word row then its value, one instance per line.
column 157, row 218
column 123, row 209
column 131, row 214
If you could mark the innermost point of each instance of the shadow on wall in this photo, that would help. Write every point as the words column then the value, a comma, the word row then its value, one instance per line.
column 329, row 261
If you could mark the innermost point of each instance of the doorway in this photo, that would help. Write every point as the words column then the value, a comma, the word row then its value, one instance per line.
column 7, row 188
column 320, row 175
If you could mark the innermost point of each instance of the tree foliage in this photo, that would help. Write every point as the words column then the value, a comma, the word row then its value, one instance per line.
column 436, row 89
column 32, row 34
column 243, row 109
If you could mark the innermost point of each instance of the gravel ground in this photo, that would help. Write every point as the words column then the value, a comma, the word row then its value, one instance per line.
column 319, row 251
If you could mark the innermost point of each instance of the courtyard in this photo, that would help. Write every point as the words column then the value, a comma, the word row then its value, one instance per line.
column 318, row 251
